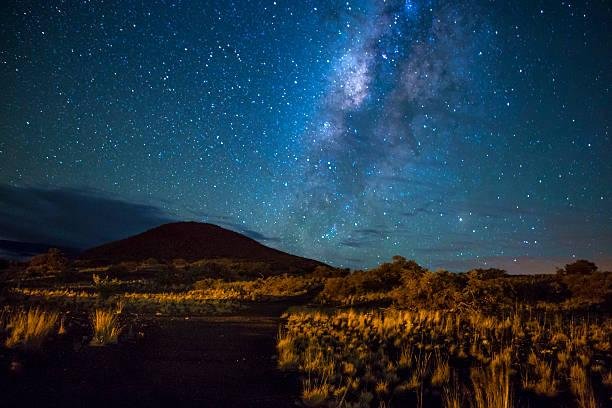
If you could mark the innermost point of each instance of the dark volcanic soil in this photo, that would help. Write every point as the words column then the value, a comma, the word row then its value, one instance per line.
column 223, row 361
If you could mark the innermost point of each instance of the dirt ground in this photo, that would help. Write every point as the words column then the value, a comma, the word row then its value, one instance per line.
column 221, row 361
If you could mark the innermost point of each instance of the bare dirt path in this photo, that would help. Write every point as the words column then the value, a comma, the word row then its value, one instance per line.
column 220, row 361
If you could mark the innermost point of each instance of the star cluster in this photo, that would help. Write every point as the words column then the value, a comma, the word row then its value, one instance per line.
column 459, row 134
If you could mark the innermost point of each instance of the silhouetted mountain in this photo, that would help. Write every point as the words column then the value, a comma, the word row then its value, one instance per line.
column 24, row 250
column 194, row 241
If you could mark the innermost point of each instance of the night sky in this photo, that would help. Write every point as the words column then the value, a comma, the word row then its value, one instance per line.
column 459, row 134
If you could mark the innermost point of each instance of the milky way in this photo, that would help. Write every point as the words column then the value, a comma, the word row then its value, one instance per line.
column 381, row 146
column 460, row 134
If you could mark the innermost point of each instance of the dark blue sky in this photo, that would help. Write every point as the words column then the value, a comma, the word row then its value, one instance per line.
column 459, row 134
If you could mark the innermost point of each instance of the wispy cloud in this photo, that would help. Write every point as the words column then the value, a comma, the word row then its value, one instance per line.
column 76, row 218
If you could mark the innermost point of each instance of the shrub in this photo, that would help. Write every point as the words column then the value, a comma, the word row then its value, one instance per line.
column 104, row 286
column 433, row 290
column 580, row 267
column 52, row 262
column 229, row 269
column 258, row 289
column 167, row 277
column 588, row 291
column 490, row 295
column 322, row 271
column 491, row 273
column 361, row 285
column 117, row 270
column 406, row 285
column 180, row 263
column 150, row 262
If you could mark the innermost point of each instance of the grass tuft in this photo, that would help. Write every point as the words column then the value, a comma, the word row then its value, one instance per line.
column 492, row 388
column 315, row 393
column 30, row 329
column 106, row 327
column 581, row 387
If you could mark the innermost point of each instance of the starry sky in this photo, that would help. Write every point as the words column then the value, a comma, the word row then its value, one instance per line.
column 459, row 134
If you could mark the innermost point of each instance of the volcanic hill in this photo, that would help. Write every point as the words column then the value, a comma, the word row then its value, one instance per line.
column 194, row 241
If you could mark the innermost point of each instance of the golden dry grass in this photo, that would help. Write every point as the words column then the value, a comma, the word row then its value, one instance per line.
column 581, row 387
column 491, row 384
column 172, row 303
column 394, row 352
column 29, row 329
column 314, row 393
column 209, row 296
column 106, row 328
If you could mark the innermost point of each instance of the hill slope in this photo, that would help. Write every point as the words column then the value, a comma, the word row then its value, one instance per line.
column 193, row 241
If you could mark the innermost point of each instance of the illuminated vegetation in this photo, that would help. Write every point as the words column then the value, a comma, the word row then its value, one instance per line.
column 106, row 328
column 29, row 329
column 207, row 296
column 402, row 355
column 395, row 335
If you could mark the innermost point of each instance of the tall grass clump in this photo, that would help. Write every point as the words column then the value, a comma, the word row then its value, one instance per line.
column 30, row 329
column 581, row 387
column 106, row 328
column 287, row 358
column 453, row 394
column 492, row 387
column 315, row 393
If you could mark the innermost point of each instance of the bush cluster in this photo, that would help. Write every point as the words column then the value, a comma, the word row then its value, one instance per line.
column 407, row 285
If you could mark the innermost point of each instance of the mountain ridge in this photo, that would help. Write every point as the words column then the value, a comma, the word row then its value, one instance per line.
column 193, row 241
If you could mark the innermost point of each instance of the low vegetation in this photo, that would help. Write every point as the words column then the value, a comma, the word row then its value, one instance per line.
column 480, row 338
column 28, row 329
column 106, row 327
column 376, row 358
column 405, row 284
column 394, row 335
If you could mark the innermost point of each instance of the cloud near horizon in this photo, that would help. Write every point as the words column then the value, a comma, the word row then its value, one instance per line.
column 83, row 218
column 78, row 218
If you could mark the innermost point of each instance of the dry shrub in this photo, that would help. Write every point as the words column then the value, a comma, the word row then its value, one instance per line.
column 30, row 329
column 106, row 328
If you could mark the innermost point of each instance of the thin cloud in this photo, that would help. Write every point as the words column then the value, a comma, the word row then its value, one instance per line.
column 71, row 217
